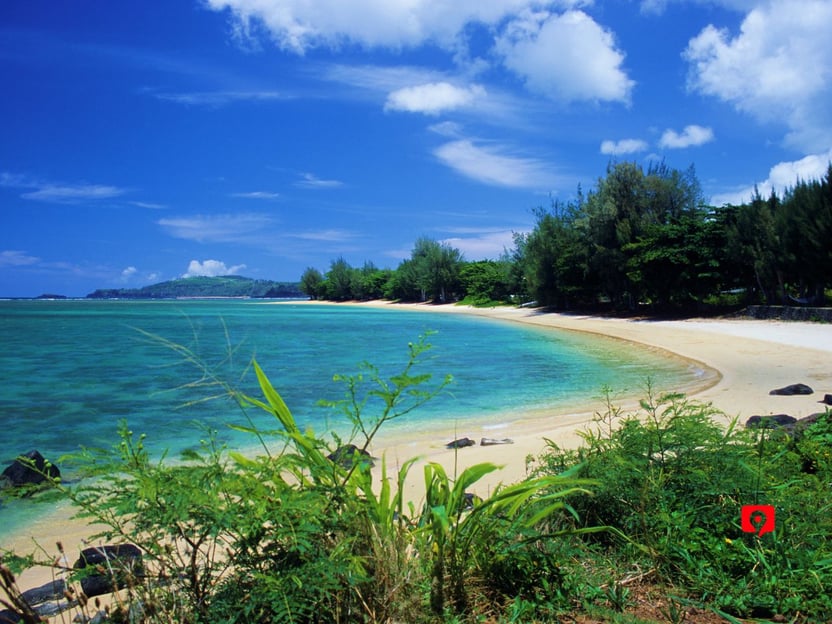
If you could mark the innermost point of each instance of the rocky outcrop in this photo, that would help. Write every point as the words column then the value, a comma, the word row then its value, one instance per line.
column 460, row 443
column 495, row 441
column 109, row 568
column 792, row 390
column 29, row 469
column 770, row 422
column 348, row 455
column 45, row 601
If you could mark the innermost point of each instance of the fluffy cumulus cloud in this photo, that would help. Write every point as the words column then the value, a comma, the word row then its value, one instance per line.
column 557, row 49
column 778, row 68
column 482, row 244
column 433, row 98
column 691, row 136
column 780, row 177
column 494, row 166
column 299, row 25
column 568, row 57
column 211, row 268
column 624, row 146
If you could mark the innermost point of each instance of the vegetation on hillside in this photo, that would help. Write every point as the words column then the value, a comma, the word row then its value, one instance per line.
column 644, row 518
column 195, row 287
column 638, row 238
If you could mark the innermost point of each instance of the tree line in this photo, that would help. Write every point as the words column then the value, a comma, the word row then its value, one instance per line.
column 638, row 238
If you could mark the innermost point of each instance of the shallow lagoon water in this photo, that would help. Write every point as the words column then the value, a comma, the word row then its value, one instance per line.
column 71, row 370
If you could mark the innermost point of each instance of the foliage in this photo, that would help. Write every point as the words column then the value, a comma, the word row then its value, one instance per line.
column 674, row 481
column 641, row 238
column 224, row 286
column 294, row 536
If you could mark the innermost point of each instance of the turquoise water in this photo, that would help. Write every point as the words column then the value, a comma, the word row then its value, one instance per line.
column 71, row 370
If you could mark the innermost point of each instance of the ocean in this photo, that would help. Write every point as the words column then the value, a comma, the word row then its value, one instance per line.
column 71, row 370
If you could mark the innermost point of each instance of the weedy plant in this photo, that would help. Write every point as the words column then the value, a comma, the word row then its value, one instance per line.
column 307, row 533
column 674, row 480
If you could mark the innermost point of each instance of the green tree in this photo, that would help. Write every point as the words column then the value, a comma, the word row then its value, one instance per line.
column 485, row 281
column 436, row 266
column 312, row 283
column 339, row 280
column 555, row 257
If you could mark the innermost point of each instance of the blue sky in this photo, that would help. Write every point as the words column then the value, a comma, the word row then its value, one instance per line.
column 144, row 140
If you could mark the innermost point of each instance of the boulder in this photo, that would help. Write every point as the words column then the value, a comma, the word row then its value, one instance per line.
column 792, row 390
column 109, row 568
column 770, row 422
column 46, row 601
column 460, row 443
column 29, row 469
column 349, row 454
column 495, row 441
column 827, row 399
column 804, row 423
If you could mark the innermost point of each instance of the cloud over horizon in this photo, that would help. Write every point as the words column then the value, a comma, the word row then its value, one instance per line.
column 211, row 268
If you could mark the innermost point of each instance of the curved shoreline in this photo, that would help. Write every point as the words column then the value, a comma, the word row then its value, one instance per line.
column 744, row 360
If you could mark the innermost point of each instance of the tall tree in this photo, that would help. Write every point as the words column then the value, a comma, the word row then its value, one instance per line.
column 437, row 268
column 312, row 283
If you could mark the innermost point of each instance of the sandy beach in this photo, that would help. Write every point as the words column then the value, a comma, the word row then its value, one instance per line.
column 740, row 360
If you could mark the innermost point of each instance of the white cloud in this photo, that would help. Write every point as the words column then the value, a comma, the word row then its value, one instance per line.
column 780, row 177
column 129, row 272
column 330, row 236
column 257, row 195
column 433, row 98
column 492, row 165
column 15, row 258
column 73, row 194
column 624, row 146
column 447, row 129
column 56, row 192
column 488, row 244
column 211, row 268
column 778, row 68
column 691, row 136
column 299, row 25
column 221, row 228
column 220, row 98
column 147, row 205
column 566, row 57
column 311, row 181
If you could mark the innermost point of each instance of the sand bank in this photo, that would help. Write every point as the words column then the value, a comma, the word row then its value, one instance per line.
column 741, row 360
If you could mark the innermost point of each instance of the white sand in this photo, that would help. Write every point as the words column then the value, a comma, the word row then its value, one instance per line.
column 742, row 361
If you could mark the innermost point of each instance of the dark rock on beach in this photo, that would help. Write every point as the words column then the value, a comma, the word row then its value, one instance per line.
column 770, row 422
column 495, row 441
column 29, row 469
column 110, row 568
column 460, row 443
column 792, row 390
column 46, row 600
column 349, row 455
column 827, row 399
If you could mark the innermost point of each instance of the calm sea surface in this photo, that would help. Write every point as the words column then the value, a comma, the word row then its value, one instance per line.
column 71, row 370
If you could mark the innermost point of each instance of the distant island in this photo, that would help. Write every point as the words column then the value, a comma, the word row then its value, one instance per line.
column 198, row 287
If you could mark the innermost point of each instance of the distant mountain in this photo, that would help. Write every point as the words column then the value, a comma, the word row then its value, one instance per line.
column 195, row 287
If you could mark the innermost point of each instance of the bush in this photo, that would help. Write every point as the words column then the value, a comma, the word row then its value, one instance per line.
column 675, row 481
